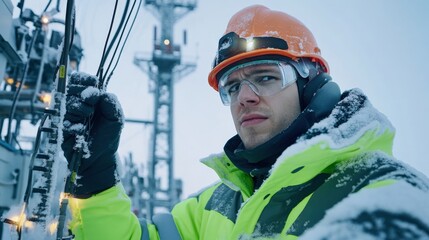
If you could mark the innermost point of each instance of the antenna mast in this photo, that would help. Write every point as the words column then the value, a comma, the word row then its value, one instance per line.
column 164, row 68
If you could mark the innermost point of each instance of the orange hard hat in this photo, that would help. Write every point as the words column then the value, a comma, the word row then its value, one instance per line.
column 258, row 31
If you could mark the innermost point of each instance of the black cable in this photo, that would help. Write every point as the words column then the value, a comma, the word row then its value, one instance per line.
column 18, row 91
column 118, row 30
column 122, row 30
column 100, row 66
column 20, row 5
column 69, row 30
column 46, row 8
column 68, row 33
column 58, row 6
column 120, row 39
column 123, row 45
column 73, row 28
column 18, row 144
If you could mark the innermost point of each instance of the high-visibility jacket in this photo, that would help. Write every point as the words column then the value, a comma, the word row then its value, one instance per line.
column 339, row 179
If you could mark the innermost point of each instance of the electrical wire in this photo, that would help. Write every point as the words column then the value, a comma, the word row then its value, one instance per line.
column 20, row 5
column 47, row 6
column 18, row 91
column 118, row 29
column 120, row 39
column 100, row 66
column 68, row 35
column 123, row 45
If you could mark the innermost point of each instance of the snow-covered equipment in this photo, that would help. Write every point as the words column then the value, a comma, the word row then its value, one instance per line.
column 36, row 217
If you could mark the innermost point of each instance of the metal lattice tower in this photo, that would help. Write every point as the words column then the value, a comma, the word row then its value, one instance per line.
column 164, row 68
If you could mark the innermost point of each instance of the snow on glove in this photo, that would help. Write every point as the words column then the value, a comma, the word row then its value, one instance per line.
column 87, row 106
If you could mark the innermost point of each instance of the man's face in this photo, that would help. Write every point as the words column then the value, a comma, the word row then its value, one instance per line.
column 259, row 118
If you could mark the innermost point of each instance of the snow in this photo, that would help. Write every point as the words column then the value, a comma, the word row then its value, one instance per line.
column 119, row 113
column 338, row 222
column 58, row 170
column 362, row 119
column 78, row 127
column 272, row 33
column 90, row 92
column 244, row 24
column 81, row 143
column 301, row 47
column 219, row 204
column 82, row 76
column 225, row 45
column 257, row 234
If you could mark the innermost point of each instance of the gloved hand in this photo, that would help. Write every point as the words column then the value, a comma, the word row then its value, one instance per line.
column 88, row 107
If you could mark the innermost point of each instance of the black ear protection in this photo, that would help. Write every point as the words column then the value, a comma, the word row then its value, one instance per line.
column 311, row 87
column 319, row 95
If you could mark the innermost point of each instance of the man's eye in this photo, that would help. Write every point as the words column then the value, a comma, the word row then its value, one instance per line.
column 233, row 88
column 265, row 79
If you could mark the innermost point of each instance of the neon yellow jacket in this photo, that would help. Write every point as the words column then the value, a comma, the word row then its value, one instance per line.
column 341, row 159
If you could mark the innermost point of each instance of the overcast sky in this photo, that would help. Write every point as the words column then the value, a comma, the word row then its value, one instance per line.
column 379, row 46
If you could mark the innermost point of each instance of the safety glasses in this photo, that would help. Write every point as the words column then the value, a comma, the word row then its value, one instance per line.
column 264, row 77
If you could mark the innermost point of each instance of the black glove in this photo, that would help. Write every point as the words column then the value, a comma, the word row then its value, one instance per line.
column 100, row 112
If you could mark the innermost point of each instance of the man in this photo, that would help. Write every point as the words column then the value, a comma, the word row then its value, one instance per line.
column 307, row 161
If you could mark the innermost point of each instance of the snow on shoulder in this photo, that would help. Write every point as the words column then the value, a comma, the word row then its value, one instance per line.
column 348, row 122
column 371, row 214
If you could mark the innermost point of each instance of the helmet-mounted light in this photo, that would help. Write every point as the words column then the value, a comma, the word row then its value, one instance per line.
column 231, row 44
column 249, row 45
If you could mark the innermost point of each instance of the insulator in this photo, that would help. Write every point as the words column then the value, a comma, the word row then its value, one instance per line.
column 43, row 156
column 51, row 111
column 47, row 129
column 40, row 168
column 40, row 190
column 9, row 221
column 36, row 219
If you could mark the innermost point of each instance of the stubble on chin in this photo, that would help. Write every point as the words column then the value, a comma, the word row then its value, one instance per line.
column 253, row 138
